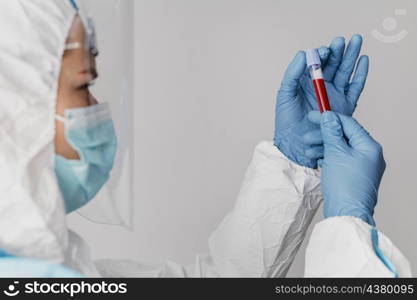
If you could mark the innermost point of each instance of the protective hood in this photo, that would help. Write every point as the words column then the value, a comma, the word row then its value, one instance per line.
column 32, row 215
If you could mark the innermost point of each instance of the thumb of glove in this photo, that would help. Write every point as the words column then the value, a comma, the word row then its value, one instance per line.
column 332, row 131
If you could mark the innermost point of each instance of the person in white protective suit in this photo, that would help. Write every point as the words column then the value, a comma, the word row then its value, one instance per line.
column 58, row 144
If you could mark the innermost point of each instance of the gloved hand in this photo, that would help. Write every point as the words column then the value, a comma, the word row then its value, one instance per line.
column 352, row 167
column 296, row 98
column 17, row 267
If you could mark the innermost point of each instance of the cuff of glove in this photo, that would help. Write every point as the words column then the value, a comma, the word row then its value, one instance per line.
column 273, row 153
column 280, row 173
column 271, row 175
column 295, row 154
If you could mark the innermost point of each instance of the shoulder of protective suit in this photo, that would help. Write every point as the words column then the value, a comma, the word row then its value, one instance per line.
column 33, row 35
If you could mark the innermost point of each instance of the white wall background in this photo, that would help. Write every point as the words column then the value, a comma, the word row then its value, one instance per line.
column 206, row 74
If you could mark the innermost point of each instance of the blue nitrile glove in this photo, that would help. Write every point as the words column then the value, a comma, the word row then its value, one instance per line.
column 352, row 167
column 18, row 267
column 296, row 98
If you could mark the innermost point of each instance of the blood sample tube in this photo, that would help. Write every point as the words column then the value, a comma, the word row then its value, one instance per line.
column 314, row 65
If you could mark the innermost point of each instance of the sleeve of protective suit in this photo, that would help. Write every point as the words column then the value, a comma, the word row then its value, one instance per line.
column 275, row 206
column 262, row 234
column 345, row 247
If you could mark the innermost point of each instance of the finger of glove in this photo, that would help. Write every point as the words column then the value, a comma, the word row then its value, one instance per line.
column 358, row 81
column 337, row 48
column 358, row 138
column 314, row 116
column 345, row 70
column 312, row 138
column 314, row 152
column 332, row 131
column 324, row 53
column 293, row 74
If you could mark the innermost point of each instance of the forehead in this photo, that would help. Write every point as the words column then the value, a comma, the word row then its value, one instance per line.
column 77, row 32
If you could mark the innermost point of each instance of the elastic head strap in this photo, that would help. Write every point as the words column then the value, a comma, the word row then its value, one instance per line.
column 72, row 46
column 74, row 4
column 60, row 118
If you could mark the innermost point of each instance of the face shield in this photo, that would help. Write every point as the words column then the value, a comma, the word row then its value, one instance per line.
column 102, row 73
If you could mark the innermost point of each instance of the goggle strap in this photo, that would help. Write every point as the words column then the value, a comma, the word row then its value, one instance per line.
column 60, row 118
column 72, row 46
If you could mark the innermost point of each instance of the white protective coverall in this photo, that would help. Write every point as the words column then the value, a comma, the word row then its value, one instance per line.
column 260, row 237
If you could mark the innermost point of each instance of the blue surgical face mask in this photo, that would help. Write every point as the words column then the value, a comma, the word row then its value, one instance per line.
column 91, row 133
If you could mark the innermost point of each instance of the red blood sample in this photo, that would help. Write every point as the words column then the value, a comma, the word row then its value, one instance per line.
column 321, row 94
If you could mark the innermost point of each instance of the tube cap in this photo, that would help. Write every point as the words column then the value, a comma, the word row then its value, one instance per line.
column 312, row 57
